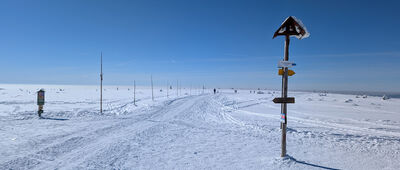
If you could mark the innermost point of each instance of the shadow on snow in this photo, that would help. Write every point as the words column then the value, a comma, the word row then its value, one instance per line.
column 49, row 118
column 309, row 164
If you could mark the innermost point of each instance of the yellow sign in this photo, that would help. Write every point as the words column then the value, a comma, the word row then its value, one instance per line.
column 280, row 72
column 290, row 72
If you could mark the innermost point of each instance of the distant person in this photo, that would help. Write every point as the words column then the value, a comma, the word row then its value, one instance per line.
column 215, row 91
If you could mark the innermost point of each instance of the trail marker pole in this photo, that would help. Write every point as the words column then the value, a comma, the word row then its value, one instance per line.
column 180, row 88
column 167, row 88
column 101, row 83
column 290, row 27
column 134, row 92
column 152, row 94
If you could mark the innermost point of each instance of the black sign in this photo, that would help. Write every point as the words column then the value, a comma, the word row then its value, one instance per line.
column 284, row 100
column 40, row 97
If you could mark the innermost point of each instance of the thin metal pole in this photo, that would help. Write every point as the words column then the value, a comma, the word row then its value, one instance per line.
column 134, row 92
column 284, row 95
column 101, row 83
column 152, row 94
column 180, row 88
column 167, row 88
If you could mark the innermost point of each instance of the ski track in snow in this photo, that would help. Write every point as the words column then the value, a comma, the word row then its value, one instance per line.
column 222, row 131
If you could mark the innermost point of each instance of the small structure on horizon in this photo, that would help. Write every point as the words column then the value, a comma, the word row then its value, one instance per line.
column 40, row 101
column 385, row 97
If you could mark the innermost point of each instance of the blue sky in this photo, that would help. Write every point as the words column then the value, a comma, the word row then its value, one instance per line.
column 354, row 45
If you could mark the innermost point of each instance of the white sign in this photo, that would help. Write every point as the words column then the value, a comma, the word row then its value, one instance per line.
column 288, row 64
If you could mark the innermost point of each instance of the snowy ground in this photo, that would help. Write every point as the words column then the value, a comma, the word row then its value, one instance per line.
column 194, row 130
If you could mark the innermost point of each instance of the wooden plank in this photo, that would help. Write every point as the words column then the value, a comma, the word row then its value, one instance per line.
column 283, row 100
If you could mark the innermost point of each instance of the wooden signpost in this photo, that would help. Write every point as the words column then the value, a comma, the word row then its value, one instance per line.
column 40, row 102
column 290, row 27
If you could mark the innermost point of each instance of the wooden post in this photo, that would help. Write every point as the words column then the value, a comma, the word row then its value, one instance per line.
column 152, row 94
column 284, row 95
column 290, row 27
column 101, row 83
column 134, row 92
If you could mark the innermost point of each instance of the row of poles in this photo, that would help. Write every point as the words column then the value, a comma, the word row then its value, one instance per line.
column 178, row 88
column 290, row 27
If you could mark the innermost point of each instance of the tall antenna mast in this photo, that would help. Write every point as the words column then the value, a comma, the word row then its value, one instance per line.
column 101, row 83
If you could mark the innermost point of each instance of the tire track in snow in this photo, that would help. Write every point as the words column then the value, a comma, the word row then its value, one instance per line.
column 69, row 146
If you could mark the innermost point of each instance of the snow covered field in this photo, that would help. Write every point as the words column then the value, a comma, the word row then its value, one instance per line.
column 194, row 130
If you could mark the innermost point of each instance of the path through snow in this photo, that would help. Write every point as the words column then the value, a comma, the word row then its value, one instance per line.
column 223, row 131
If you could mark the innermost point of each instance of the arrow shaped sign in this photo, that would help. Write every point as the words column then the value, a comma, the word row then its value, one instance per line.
column 290, row 72
column 283, row 100
column 287, row 64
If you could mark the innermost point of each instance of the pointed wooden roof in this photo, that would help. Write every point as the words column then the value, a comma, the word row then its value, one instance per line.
column 292, row 27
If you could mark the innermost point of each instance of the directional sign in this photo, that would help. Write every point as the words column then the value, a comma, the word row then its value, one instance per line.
column 290, row 72
column 292, row 27
column 283, row 100
column 288, row 64
column 280, row 72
